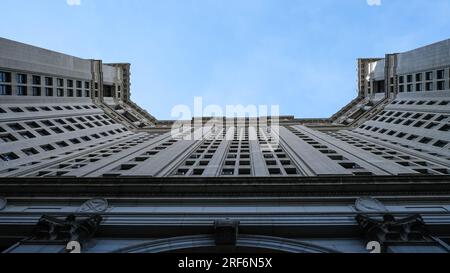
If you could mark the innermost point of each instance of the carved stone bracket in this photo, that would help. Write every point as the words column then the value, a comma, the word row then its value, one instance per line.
column 70, row 229
column 393, row 231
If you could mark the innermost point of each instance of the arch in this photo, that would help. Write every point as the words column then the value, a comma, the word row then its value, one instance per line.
column 207, row 241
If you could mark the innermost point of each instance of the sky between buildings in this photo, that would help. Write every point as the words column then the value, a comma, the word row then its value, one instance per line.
column 300, row 55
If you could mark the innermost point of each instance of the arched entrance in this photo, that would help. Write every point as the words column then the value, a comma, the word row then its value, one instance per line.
column 244, row 244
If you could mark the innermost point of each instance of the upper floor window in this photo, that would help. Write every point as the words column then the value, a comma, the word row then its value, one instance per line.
column 440, row 74
column 48, row 81
column 87, row 85
column 21, row 90
column 5, row 76
column 79, row 84
column 60, row 82
column 401, row 79
column 429, row 76
column 70, row 83
column 21, row 78
column 5, row 90
column 409, row 78
column 418, row 77
column 37, row 80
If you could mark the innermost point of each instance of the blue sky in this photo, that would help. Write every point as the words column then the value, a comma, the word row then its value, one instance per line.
column 300, row 55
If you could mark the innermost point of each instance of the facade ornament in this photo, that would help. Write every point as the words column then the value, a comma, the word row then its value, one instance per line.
column 96, row 205
column 393, row 231
column 70, row 229
column 369, row 204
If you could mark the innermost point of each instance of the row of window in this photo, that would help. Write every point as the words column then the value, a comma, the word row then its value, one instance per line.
column 61, row 144
column 6, row 90
column 5, row 77
column 429, row 76
column 62, row 88
column 46, row 108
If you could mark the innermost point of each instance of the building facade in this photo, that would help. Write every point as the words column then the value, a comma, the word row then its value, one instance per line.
column 79, row 161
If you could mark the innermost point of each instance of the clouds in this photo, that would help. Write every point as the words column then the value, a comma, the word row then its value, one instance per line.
column 374, row 2
column 73, row 2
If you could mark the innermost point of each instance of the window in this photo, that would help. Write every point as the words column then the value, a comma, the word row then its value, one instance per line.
column 49, row 92
column 27, row 135
column 87, row 85
column 409, row 88
column 79, row 93
column 21, row 78
column 47, row 147
column 60, row 92
column 5, row 90
column 440, row 74
column 36, row 80
column 70, row 92
column 60, row 82
column 21, row 91
column 429, row 86
column 429, row 76
column 88, row 93
column 16, row 126
column 79, row 84
column 9, row 156
column 30, row 151
column 5, row 76
column 419, row 87
column 36, row 91
column 70, row 83
column 43, row 132
column 401, row 79
column 419, row 77
column 62, row 144
column 409, row 78
column 8, row 138
column 440, row 85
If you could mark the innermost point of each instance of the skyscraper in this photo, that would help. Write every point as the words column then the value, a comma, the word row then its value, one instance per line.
column 81, row 162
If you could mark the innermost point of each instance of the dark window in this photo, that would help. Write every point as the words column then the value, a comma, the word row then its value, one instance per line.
column 440, row 85
column 87, row 85
column 36, row 80
column 21, row 78
column 8, row 138
column 36, row 91
column 9, row 156
column 440, row 74
column 60, row 82
column 70, row 92
column 60, row 92
column 419, row 87
column 47, row 148
column 79, row 93
column 419, row 77
column 21, row 90
column 16, row 126
column 409, row 78
column 429, row 76
column 79, row 84
column 70, row 83
column 5, row 76
column 429, row 86
column 401, row 79
column 5, row 90
column 30, row 151
column 27, row 135
column 48, row 81
column 49, row 92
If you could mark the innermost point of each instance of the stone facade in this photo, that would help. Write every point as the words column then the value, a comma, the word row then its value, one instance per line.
column 76, row 151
